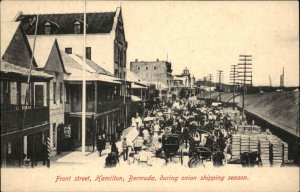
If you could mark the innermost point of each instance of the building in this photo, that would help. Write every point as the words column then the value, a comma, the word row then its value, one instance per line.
column 105, row 36
column 156, row 72
column 139, row 92
column 106, row 48
column 183, row 85
column 24, row 118
column 103, row 101
column 48, row 58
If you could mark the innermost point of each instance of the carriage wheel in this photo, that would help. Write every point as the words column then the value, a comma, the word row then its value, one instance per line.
column 194, row 162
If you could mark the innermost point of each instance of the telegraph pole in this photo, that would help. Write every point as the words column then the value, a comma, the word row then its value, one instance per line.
column 210, row 81
column 233, row 75
column 219, row 76
column 245, row 68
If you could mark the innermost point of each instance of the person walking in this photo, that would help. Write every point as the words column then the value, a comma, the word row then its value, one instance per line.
column 119, row 130
column 125, row 149
column 100, row 144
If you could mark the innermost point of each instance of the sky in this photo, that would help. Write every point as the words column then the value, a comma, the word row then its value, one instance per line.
column 200, row 35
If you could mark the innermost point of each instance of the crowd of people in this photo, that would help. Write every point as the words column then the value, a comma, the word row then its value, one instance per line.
column 195, row 123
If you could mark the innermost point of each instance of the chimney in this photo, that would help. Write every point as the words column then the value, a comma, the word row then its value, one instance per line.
column 157, row 60
column 136, row 60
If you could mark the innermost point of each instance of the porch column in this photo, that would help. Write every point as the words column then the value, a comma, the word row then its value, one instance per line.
column 94, row 118
column 48, row 93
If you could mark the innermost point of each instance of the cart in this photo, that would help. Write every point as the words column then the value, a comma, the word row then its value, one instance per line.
column 170, row 146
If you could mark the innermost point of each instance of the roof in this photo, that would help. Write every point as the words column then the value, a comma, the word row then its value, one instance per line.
column 280, row 109
column 93, row 77
column 95, row 66
column 159, row 85
column 179, row 78
column 69, row 61
column 131, row 76
column 7, row 67
column 8, row 30
column 63, row 22
column 43, row 48
column 74, row 66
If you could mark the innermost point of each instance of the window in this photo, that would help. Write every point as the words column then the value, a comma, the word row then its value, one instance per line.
column 116, row 72
column 146, row 68
column 138, row 68
column 54, row 134
column 88, row 53
column 61, row 92
column 47, row 26
column 154, row 68
column 68, row 50
column 77, row 27
column 54, row 92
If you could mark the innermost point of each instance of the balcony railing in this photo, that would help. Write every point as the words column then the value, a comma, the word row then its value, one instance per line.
column 102, row 107
column 108, row 106
column 13, row 118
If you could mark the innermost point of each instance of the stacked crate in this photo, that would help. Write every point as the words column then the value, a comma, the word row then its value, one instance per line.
column 254, row 143
column 245, row 143
column 264, row 149
column 276, row 149
column 285, row 152
column 277, row 159
column 236, row 146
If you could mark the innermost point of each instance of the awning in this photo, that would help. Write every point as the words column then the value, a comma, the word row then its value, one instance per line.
column 135, row 86
column 135, row 98
column 7, row 67
column 94, row 77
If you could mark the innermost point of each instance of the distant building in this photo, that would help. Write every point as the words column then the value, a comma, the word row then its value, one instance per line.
column 156, row 72
column 183, row 85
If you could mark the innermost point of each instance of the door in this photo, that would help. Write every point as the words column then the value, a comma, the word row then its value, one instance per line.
column 60, row 138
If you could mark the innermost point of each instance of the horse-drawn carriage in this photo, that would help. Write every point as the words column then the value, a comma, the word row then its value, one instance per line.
column 170, row 146
column 201, row 147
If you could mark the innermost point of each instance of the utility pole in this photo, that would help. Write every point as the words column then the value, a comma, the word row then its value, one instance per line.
column 232, row 76
column 83, row 117
column 219, row 76
column 245, row 69
column 210, row 81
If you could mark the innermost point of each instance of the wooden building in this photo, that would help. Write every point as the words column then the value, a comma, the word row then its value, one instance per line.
column 48, row 59
column 24, row 120
column 103, row 101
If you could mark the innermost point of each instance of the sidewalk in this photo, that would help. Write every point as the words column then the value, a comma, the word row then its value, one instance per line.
column 77, row 157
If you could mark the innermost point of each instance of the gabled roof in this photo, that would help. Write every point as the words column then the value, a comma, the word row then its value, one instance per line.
column 8, row 30
column 96, row 22
column 43, row 48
